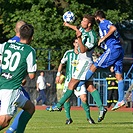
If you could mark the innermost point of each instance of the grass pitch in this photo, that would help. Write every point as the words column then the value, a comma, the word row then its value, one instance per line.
column 54, row 122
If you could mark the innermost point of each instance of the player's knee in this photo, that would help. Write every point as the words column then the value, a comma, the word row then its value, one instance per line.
column 32, row 108
column 29, row 107
column 4, row 121
column 83, row 98
column 73, row 84
column 91, row 88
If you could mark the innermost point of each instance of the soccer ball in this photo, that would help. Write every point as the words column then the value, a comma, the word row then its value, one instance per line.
column 68, row 17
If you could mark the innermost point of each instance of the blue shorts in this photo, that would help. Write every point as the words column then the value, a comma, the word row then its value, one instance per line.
column 111, row 57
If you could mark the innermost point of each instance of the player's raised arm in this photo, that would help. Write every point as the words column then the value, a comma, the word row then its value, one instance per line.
column 70, row 26
column 112, row 29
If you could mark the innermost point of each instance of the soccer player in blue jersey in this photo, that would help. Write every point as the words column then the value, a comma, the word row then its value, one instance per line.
column 113, row 55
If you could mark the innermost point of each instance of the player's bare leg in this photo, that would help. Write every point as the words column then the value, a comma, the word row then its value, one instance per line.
column 4, row 121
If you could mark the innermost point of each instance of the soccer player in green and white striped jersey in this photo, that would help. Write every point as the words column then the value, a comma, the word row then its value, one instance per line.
column 87, row 41
column 71, row 59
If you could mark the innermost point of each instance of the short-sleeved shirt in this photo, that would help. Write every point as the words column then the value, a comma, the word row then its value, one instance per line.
column 41, row 82
column 89, row 39
column 18, row 59
column 114, row 53
column 112, row 41
column 71, row 60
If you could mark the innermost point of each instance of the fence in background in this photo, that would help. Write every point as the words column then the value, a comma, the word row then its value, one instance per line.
column 99, row 82
column 101, row 85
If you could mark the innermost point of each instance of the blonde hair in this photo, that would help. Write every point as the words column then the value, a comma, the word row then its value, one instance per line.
column 18, row 25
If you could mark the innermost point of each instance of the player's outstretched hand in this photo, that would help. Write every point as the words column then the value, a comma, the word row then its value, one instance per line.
column 66, row 24
column 78, row 33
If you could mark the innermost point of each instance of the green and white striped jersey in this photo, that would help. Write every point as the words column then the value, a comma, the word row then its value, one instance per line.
column 89, row 39
column 18, row 59
column 71, row 60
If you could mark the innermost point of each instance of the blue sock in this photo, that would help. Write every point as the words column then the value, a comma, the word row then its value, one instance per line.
column 14, row 125
column 132, row 98
column 88, row 76
column 121, row 90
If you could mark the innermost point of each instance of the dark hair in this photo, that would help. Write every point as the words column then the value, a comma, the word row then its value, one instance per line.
column 74, row 38
column 26, row 31
column 100, row 14
column 90, row 18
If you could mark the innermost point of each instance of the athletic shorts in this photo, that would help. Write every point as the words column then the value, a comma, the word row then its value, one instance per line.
column 77, row 93
column 11, row 100
column 25, row 92
column 111, row 57
column 82, row 69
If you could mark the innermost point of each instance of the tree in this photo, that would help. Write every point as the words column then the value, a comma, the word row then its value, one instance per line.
column 46, row 17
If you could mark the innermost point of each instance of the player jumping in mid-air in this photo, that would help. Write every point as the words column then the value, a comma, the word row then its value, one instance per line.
column 113, row 55
column 87, row 40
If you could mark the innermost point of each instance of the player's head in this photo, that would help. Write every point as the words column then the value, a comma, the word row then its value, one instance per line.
column 75, row 43
column 99, row 15
column 88, row 21
column 26, row 33
column 18, row 25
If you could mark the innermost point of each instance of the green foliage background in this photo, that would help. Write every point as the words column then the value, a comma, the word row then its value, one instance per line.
column 46, row 17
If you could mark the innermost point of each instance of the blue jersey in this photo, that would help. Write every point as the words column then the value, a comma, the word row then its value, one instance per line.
column 113, row 40
column 113, row 55
column 14, row 39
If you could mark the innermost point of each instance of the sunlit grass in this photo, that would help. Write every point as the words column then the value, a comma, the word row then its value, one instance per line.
column 54, row 122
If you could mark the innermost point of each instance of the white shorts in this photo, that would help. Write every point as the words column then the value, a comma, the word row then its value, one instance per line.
column 82, row 69
column 77, row 93
column 81, row 92
column 11, row 100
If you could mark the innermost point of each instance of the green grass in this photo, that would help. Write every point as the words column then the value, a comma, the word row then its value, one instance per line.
column 54, row 122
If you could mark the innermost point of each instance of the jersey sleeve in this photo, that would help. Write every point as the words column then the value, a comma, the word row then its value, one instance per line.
column 65, row 58
column 2, row 48
column 90, row 43
column 109, row 24
column 89, row 39
column 31, row 62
